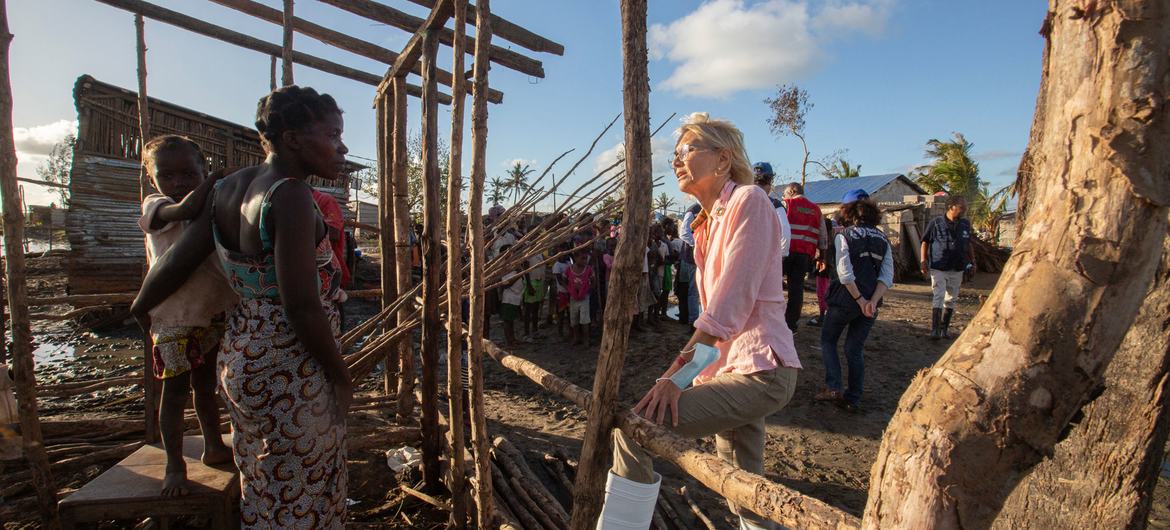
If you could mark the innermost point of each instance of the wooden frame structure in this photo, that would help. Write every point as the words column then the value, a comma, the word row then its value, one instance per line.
column 903, row 501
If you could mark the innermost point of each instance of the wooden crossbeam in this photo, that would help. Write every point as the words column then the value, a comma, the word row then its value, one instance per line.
column 387, row 15
column 206, row 29
column 507, row 30
column 340, row 40
column 413, row 49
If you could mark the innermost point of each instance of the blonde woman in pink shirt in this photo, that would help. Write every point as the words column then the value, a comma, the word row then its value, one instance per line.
column 740, row 366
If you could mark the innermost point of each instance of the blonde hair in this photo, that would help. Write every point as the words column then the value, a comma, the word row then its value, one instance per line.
column 721, row 134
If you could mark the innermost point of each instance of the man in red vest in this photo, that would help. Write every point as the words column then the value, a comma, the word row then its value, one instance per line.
column 808, row 241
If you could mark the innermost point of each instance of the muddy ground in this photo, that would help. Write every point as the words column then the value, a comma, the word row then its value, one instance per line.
column 813, row 447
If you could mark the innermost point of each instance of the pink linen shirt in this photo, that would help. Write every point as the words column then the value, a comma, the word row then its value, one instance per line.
column 737, row 250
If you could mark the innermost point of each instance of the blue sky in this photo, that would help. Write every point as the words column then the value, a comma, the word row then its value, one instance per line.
column 885, row 76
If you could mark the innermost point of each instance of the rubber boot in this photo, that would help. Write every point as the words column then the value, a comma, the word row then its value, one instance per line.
column 946, row 323
column 935, row 319
column 629, row 505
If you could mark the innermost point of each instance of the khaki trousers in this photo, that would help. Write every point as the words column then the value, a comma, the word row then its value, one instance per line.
column 732, row 407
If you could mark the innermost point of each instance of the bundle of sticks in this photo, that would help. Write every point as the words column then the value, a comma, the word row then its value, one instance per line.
column 988, row 257
column 577, row 212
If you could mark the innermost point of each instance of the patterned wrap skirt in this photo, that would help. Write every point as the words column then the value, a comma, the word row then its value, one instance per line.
column 289, row 444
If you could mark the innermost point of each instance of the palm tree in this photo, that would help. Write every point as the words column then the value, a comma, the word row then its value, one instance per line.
column 952, row 169
column 664, row 202
column 498, row 192
column 842, row 169
column 517, row 180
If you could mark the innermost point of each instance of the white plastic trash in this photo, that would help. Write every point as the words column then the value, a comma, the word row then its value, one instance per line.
column 403, row 458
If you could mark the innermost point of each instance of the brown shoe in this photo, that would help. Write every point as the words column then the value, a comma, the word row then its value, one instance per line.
column 828, row 394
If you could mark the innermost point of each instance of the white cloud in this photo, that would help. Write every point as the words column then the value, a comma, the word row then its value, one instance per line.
column 40, row 139
column 522, row 161
column 727, row 45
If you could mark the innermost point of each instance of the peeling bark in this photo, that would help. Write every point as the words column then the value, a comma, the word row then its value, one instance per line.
column 969, row 428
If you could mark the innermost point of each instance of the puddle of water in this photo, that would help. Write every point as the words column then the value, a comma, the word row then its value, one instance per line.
column 50, row 353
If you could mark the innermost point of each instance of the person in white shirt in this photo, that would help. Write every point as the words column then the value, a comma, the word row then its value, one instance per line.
column 764, row 178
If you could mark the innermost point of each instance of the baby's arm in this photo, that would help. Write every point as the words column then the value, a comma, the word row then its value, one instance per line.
column 189, row 207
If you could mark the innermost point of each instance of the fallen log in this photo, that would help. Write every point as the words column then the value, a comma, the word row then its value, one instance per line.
column 525, row 479
column 748, row 490
column 512, row 500
column 445, row 506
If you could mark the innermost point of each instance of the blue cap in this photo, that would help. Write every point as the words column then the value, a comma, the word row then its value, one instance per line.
column 854, row 195
column 763, row 168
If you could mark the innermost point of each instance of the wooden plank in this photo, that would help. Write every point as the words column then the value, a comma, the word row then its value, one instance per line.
column 206, row 29
column 414, row 47
column 387, row 15
column 131, row 489
column 588, row 491
column 476, row 245
column 15, row 275
column 507, row 30
column 339, row 40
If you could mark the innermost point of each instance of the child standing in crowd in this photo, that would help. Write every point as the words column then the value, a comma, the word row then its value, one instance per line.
column 579, row 276
column 511, row 296
column 561, row 302
column 186, row 328
column 534, row 294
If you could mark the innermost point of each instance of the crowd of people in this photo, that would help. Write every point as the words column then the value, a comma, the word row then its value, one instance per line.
column 226, row 306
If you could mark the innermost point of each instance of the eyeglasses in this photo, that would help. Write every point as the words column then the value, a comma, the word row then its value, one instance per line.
column 683, row 152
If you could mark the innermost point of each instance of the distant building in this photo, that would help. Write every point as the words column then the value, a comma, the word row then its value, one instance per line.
column 881, row 188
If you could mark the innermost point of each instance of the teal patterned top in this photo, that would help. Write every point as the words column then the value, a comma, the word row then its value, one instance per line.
column 254, row 276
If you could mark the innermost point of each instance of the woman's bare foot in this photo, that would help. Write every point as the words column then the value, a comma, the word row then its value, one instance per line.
column 175, row 483
column 215, row 454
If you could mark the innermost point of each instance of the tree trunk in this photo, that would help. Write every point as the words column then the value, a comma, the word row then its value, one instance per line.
column 968, row 429
column 1103, row 474
column 627, row 269
column 15, row 271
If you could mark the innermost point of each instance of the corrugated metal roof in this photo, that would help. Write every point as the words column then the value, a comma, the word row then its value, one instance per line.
column 831, row 190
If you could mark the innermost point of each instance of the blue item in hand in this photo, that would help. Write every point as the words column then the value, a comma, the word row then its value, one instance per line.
column 703, row 357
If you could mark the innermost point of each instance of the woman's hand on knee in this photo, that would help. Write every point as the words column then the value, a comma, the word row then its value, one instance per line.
column 662, row 397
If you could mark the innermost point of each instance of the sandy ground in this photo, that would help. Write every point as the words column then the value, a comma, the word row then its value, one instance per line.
column 813, row 447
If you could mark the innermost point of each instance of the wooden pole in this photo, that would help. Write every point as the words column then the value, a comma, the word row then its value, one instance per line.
column 627, row 270
column 338, row 39
column 272, row 74
column 380, row 12
column 286, row 51
column 456, row 482
column 475, row 243
column 431, row 267
column 742, row 488
column 386, row 229
column 402, row 229
column 507, row 30
column 150, row 385
column 15, row 271
column 206, row 29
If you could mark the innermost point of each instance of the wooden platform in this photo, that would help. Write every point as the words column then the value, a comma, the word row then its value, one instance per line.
column 130, row 490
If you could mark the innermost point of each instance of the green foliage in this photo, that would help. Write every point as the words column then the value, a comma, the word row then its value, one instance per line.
column 841, row 169
column 517, row 180
column 498, row 191
column 58, row 166
column 951, row 170
column 664, row 202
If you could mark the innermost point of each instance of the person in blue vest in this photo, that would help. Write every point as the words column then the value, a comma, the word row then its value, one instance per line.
column 865, row 270
column 947, row 254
